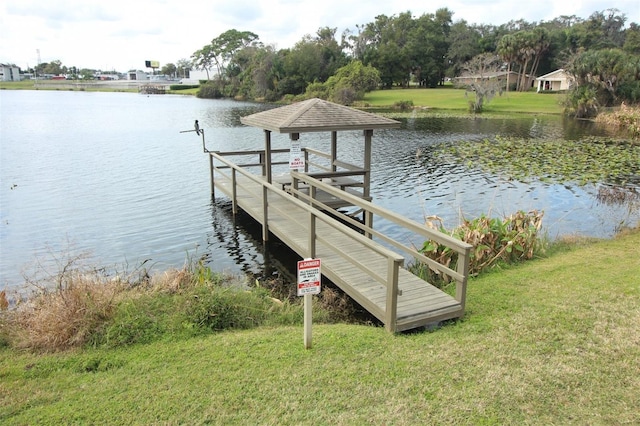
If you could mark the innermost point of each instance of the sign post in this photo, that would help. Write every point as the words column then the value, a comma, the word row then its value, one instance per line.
column 308, row 284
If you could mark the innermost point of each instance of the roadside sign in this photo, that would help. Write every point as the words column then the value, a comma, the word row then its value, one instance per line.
column 309, row 276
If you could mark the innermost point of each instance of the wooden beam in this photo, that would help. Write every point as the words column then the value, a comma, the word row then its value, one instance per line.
column 267, row 155
column 334, row 150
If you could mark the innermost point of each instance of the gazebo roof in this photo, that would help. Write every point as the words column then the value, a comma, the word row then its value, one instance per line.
column 317, row 115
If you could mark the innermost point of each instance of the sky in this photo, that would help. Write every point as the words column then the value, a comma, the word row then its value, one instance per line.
column 121, row 35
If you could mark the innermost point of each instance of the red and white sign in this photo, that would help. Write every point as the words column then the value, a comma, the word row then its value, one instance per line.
column 296, row 158
column 309, row 277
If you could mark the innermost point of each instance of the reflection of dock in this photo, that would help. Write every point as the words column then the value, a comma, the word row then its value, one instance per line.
column 300, row 209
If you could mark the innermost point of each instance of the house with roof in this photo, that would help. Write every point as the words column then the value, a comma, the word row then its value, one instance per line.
column 555, row 81
column 9, row 73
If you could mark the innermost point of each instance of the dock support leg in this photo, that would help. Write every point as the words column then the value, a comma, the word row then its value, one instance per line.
column 265, row 215
column 211, row 174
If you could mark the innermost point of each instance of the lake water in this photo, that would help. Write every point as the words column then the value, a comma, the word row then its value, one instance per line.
column 110, row 174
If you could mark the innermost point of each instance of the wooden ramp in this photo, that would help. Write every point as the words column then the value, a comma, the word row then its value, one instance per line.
column 365, row 269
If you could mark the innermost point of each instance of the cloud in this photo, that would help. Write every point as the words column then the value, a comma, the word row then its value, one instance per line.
column 121, row 34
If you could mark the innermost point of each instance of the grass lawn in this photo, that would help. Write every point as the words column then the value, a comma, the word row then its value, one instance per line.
column 448, row 98
column 552, row 341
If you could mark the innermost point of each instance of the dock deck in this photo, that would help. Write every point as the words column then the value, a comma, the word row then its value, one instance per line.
column 301, row 214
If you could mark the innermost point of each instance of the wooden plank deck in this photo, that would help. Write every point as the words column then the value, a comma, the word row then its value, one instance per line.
column 418, row 302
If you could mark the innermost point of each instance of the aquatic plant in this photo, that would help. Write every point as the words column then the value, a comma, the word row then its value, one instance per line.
column 495, row 240
column 588, row 161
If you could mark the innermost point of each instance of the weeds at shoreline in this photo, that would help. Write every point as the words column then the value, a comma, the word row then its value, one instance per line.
column 495, row 241
column 81, row 306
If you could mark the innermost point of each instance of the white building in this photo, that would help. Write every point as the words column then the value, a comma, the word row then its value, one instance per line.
column 9, row 73
column 555, row 81
column 137, row 75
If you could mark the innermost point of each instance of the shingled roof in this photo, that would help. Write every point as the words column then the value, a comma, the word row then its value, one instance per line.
column 317, row 115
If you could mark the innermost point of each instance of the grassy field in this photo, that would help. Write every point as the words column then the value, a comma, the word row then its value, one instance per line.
column 445, row 98
column 448, row 98
column 552, row 341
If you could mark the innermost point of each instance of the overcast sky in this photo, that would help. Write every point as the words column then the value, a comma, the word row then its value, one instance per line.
column 121, row 34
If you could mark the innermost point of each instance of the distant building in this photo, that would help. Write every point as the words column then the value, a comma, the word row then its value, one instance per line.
column 137, row 75
column 195, row 76
column 9, row 73
column 555, row 81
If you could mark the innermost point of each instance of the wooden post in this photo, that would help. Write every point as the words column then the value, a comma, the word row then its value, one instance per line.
column 211, row 174
column 366, row 191
column 267, row 155
column 391, row 310
column 265, row 215
column 463, row 269
column 308, row 321
column 312, row 233
column 234, row 192
column 334, row 150
column 367, row 162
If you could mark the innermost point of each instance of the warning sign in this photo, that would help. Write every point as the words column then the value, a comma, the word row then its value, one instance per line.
column 309, row 277
column 296, row 159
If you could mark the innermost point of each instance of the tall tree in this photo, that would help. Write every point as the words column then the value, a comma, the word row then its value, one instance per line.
column 183, row 67
column 508, row 51
column 464, row 44
column 482, row 83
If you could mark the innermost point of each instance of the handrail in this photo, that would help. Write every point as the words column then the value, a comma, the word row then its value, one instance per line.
column 463, row 249
column 317, row 213
column 458, row 245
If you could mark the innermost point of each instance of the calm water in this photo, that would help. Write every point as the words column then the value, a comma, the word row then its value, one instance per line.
column 111, row 175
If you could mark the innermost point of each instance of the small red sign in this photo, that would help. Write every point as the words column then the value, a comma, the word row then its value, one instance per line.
column 309, row 276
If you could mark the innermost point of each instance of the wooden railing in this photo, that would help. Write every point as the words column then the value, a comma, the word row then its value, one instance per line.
column 223, row 168
column 460, row 275
column 394, row 260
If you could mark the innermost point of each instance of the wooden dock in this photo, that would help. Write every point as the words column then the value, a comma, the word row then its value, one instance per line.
column 300, row 208
column 356, row 257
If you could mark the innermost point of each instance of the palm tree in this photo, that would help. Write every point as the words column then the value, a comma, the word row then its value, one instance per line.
column 526, row 52
column 507, row 49
column 541, row 43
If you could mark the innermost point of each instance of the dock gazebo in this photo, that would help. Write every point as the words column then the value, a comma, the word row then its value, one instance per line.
column 317, row 115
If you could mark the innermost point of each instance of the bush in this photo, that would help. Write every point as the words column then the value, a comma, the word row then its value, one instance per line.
column 494, row 241
column 403, row 105
column 211, row 90
column 77, row 308
column 183, row 86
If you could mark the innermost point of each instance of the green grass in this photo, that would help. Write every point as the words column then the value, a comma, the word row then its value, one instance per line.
column 62, row 85
column 448, row 98
column 17, row 85
column 552, row 341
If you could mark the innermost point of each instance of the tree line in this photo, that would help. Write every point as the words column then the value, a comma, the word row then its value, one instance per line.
column 405, row 50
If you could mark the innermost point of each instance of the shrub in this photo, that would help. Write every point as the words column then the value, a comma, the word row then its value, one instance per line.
column 626, row 117
column 403, row 105
column 64, row 317
column 211, row 90
column 494, row 241
column 183, row 86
